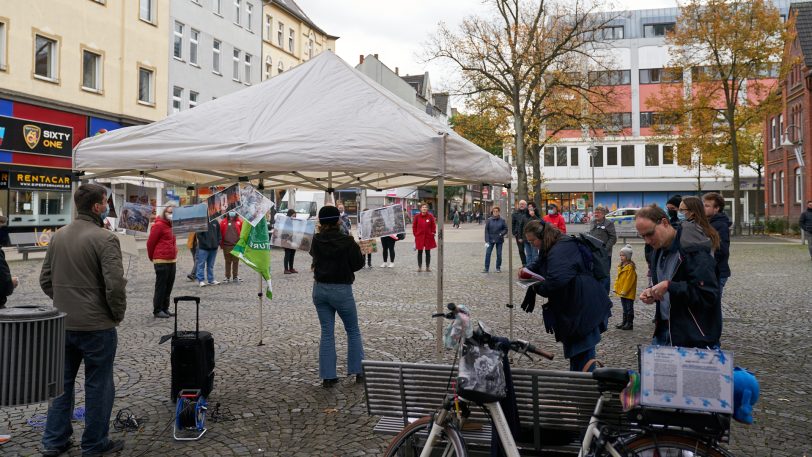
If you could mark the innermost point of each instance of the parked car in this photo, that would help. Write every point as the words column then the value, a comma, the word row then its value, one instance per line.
column 624, row 221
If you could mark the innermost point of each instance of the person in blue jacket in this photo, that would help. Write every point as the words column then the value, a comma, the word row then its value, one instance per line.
column 578, row 308
column 495, row 231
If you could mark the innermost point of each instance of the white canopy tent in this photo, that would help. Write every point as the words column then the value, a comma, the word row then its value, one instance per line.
column 322, row 125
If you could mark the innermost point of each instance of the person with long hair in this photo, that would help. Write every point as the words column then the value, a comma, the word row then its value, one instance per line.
column 530, row 252
column 694, row 211
column 162, row 250
column 424, row 227
column 336, row 257
column 578, row 309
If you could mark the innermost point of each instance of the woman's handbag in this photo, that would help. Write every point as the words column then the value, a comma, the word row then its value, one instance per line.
column 481, row 374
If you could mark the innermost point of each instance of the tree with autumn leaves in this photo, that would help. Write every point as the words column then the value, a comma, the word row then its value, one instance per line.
column 729, row 52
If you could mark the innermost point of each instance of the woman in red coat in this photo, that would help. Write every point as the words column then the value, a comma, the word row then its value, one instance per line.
column 162, row 250
column 424, row 226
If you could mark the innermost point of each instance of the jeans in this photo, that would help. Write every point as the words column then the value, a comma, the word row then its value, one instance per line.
column 530, row 253
column 522, row 255
column 578, row 361
column 164, row 281
column 205, row 261
column 98, row 351
column 232, row 263
column 488, row 251
column 329, row 299
column 628, row 306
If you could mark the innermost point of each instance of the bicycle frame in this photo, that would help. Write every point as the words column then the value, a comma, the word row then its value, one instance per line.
column 499, row 422
column 592, row 431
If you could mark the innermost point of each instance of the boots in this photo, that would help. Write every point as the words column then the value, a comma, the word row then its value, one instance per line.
column 623, row 324
column 629, row 323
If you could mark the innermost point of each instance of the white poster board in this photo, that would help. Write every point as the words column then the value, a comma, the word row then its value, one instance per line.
column 253, row 205
column 379, row 222
column 293, row 233
column 686, row 378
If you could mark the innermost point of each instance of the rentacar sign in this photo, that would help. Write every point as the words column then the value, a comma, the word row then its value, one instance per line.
column 20, row 135
column 40, row 180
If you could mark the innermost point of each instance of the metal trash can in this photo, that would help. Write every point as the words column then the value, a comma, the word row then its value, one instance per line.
column 32, row 354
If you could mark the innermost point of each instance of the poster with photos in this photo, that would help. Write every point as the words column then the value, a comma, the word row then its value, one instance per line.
column 293, row 233
column 134, row 217
column 253, row 205
column 222, row 202
column 379, row 222
column 190, row 218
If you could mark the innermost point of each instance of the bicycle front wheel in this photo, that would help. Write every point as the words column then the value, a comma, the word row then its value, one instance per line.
column 672, row 446
column 411, row 440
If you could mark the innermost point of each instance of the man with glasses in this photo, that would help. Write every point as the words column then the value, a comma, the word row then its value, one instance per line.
column 683, row 284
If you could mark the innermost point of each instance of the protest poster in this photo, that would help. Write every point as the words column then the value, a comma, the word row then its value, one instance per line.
column 368, row 246
column 379, row 222
column 134, row 217
column 253, row 205
column 189, row 218
column 292, row 233
column 222, row 202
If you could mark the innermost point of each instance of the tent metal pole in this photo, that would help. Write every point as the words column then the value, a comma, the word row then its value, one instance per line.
column 261, row 330
column 440, row 247
column 509, row 205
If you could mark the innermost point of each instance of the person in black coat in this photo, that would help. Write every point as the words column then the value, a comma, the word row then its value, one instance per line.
column 714, row 210
column 495, row 231
column 7, row 282
column 578, row 309
column 684, row 283
column 519, row 218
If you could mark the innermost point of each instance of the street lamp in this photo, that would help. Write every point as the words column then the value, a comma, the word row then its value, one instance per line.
column 799, row 157
column 593, row 151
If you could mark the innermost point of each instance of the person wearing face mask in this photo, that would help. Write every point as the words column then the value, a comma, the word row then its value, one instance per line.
column 83, row 274
column 230, row 227
column 162, row 250
column 672, row 208
column 424, row 227
column 553, row 217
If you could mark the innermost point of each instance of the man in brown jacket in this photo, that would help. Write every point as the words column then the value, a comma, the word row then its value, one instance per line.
column 84, row 275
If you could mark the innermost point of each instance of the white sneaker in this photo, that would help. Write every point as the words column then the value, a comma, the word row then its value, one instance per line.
column 391, row 264
column 214, row 283
column 202, row 284
column 227, row 280
column 237, row 279
column 385, row 264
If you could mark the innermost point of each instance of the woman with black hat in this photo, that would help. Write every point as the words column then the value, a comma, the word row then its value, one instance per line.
column 335, row 257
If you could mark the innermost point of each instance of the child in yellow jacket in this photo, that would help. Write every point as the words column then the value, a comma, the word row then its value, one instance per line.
column 626, row 287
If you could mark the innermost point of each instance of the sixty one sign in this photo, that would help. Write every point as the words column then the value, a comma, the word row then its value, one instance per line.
column 31, row 137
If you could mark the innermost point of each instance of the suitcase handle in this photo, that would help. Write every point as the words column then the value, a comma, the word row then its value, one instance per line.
column 197, row 312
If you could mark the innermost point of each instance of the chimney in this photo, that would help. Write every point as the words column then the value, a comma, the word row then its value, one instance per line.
column 397, row 71
column 360, row 59
column 376, row 57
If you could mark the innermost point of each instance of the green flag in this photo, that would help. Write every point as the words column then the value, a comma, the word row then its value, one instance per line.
column 254, row 248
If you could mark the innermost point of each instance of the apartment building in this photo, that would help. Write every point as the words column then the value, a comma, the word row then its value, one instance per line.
column 289, row 37
column 214, row 49
column 70, row 69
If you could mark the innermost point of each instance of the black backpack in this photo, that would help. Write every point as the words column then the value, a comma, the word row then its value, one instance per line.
column 594, row 254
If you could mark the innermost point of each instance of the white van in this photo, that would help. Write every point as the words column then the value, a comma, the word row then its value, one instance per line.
column 308, row 203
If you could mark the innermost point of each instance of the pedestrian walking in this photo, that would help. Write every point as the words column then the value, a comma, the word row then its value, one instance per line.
column 456, row 219
column 290, row 254
column 683, row 282
column 424, row 227
column 555, row 218
column 207, row 244
column 714, row 210
column 604, row 230
column 479, row 217
column 577, row 310
column 162, row 250
column 626, row 286
column 530, row 251
column 230, row 228
column 805, row 222
column 336, row 257
column 518, row 219
column 495, row 231
column 83, row 274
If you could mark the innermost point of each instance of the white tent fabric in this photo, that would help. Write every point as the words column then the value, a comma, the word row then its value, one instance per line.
column 320, row 122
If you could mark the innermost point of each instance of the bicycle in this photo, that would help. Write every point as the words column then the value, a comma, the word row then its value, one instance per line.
column 661, row 433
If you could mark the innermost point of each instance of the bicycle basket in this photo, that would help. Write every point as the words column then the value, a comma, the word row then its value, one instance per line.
column 481, row 374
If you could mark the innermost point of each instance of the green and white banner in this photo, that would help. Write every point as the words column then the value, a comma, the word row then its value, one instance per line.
column 254, row 249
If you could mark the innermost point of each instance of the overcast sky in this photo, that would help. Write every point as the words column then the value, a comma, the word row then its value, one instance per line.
column 397, row 30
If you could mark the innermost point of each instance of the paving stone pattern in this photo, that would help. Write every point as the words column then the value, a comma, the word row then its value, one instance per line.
column 274, row 395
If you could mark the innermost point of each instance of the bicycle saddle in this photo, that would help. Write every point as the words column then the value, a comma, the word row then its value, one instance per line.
column 611, row 378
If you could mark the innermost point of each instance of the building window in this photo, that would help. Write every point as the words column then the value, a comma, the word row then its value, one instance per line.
column 627, row 155
column 146, row 10
column 45, row 58
column 310, row 49
column 798, row 195
column 611, row 156
column 290, row 40
column 615, row 122
column 237, row 11
column 215, row 56
column 146, row 85
column 781, row 183
column 177, row 99
column 652, row 155
column 194, row 40
column 610, row 78
column 655, row 30
column 236, row 65
column 268, row 66
column 597, row 157
column 573, row 157
column 249, row 12
column 268, row 27
column 668, row 155
column 549, row 157
column 193, row 96
column 217, row 6
column 91, row 71
column 280, row 31
column 773, row 134
column 660, row 75
column 609, row 33
column 773, row 190
column 280, row 68
column 177, row 48
column 561, row 156
column 247, row 68
column 3, row 59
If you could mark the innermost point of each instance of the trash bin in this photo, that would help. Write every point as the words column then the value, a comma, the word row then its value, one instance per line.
column 32, row 354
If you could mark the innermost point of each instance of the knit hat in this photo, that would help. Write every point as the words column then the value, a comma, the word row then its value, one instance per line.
column 328, row 214
column 675, row 200
column 627, row 251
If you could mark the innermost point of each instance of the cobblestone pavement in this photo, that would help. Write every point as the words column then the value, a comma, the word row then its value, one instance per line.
column 274, row 392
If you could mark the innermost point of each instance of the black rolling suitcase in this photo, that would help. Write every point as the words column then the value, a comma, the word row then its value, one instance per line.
column 192, row 356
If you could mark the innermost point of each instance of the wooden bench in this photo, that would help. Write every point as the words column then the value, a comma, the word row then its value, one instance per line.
column 554, row 406
column 26, row 243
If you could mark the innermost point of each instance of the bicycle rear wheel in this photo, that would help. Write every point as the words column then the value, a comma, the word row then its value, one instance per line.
column 672, row 446
column 410, row 441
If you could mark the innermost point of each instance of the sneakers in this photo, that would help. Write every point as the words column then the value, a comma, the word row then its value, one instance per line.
column 227, row 280
column 327, row 383
column 214, row 283
column 239, row 279
column 385, row 264
column 369, row 267
column 498, row 270
column 428, row 270
column 391, row 264
column 58, row 450
column 202, row 284
column 112, row 447
column 191, row 278
column 161, row 315
column 419, row 269
column 485, row 271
